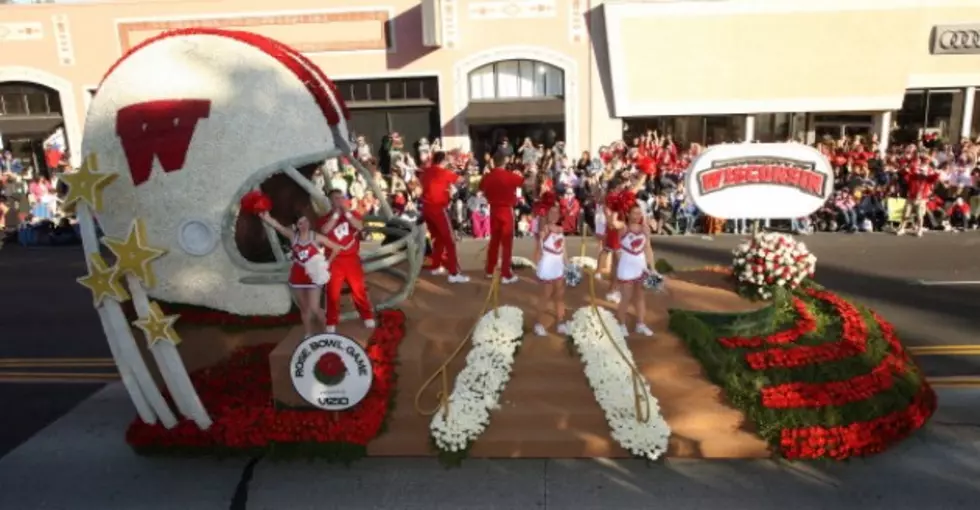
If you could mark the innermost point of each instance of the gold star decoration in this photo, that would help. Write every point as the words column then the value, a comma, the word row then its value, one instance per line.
column 133, row 256
column 158, row 327
column 103, row 281
column 86, row 184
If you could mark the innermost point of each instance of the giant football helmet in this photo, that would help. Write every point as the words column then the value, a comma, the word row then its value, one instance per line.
column 193, row 119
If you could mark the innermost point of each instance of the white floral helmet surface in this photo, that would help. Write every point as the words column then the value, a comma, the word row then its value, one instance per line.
column 191, row 120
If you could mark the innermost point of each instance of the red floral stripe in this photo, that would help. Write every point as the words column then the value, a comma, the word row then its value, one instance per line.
column 860, row 438
column 238, row 395
column 805, row 323
column 836, row 393
column 854, row 337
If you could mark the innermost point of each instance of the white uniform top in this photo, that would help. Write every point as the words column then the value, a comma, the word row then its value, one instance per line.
column 600, row 221
column 551, row 267
column 632, row 257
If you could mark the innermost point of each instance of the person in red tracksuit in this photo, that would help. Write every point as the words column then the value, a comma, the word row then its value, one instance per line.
column 343, row 227
column 500, row 187
column 436, row 182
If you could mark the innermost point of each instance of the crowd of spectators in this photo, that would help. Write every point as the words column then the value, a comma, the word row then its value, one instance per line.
column 913, row 186
column 30, row 207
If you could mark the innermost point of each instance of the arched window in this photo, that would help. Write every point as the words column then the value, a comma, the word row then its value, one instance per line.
column 515, row 79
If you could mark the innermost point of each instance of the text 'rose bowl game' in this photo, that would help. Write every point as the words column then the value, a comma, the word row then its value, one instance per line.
column 250, row 310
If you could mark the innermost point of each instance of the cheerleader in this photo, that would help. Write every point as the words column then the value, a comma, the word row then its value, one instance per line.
column 608, row 258
column 549, row 252
column 309, row 272
column 635, row 256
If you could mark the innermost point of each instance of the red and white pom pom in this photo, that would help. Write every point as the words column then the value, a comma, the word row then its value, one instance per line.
column 544, row 203
column 256, row 202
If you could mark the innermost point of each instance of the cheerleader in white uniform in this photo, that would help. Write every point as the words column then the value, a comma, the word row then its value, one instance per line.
column 309, row 269
column 549, row 252
column 635, row 256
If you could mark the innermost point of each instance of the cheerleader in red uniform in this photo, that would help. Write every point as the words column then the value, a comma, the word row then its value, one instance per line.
column 636, row 255
column 310, row 269
column 551, row 259
column 611, row 244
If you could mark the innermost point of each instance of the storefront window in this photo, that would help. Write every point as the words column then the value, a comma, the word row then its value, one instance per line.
column 514, row 79
column 773, row 127
column 701, row 129
column 931, row 111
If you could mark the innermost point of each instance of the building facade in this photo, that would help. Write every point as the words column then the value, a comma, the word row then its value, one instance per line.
column 582, row 71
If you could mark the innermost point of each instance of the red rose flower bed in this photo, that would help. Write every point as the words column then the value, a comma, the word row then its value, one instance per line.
column 805, row 324
column 862, row 438
column 238, row 395
column 852, row 342
column 838, row 393
column 837, row 383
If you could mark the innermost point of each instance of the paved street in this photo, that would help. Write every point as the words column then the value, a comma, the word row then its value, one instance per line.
column 81, row 463
column 44, row 315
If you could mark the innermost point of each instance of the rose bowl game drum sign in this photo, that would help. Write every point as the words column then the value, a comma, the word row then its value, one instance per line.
column 760, row 180
column 331, row 372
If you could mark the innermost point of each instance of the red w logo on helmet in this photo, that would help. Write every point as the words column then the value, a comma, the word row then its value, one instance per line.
column 158, row 129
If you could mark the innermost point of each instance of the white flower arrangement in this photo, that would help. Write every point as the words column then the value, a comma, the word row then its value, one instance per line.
column 318, row 269
column 584, row 262
column 522, row 263
column 611, row 379
column 478, row 386
column 770, row 260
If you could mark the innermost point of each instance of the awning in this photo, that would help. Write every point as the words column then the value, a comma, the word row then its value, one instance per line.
column 24, row 125
column 516, row 111
column 736, row 57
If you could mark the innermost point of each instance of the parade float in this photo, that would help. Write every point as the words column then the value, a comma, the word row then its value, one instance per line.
column 751, row 361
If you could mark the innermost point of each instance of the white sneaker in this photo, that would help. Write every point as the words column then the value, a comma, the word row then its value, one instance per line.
column 562, row 328
column 900, row 232
column 615, row 297
column 539, row 330
column 439, row 271
column 918, row 233
column 458, row 278
column 624, row 330
column 331, row 329
column 508, row 281
column 644, row 330
column 370, row 324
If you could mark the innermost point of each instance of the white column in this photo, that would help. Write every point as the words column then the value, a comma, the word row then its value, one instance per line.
column 884, row 131
column 749, row 128
column 967, row 125
column 811, row 130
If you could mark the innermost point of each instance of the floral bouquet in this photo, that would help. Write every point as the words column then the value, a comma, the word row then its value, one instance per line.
column 318, row 269
column 330, row 369
column 585, row 263
column 573, row 275
column 770, row 260
column 652, row 280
